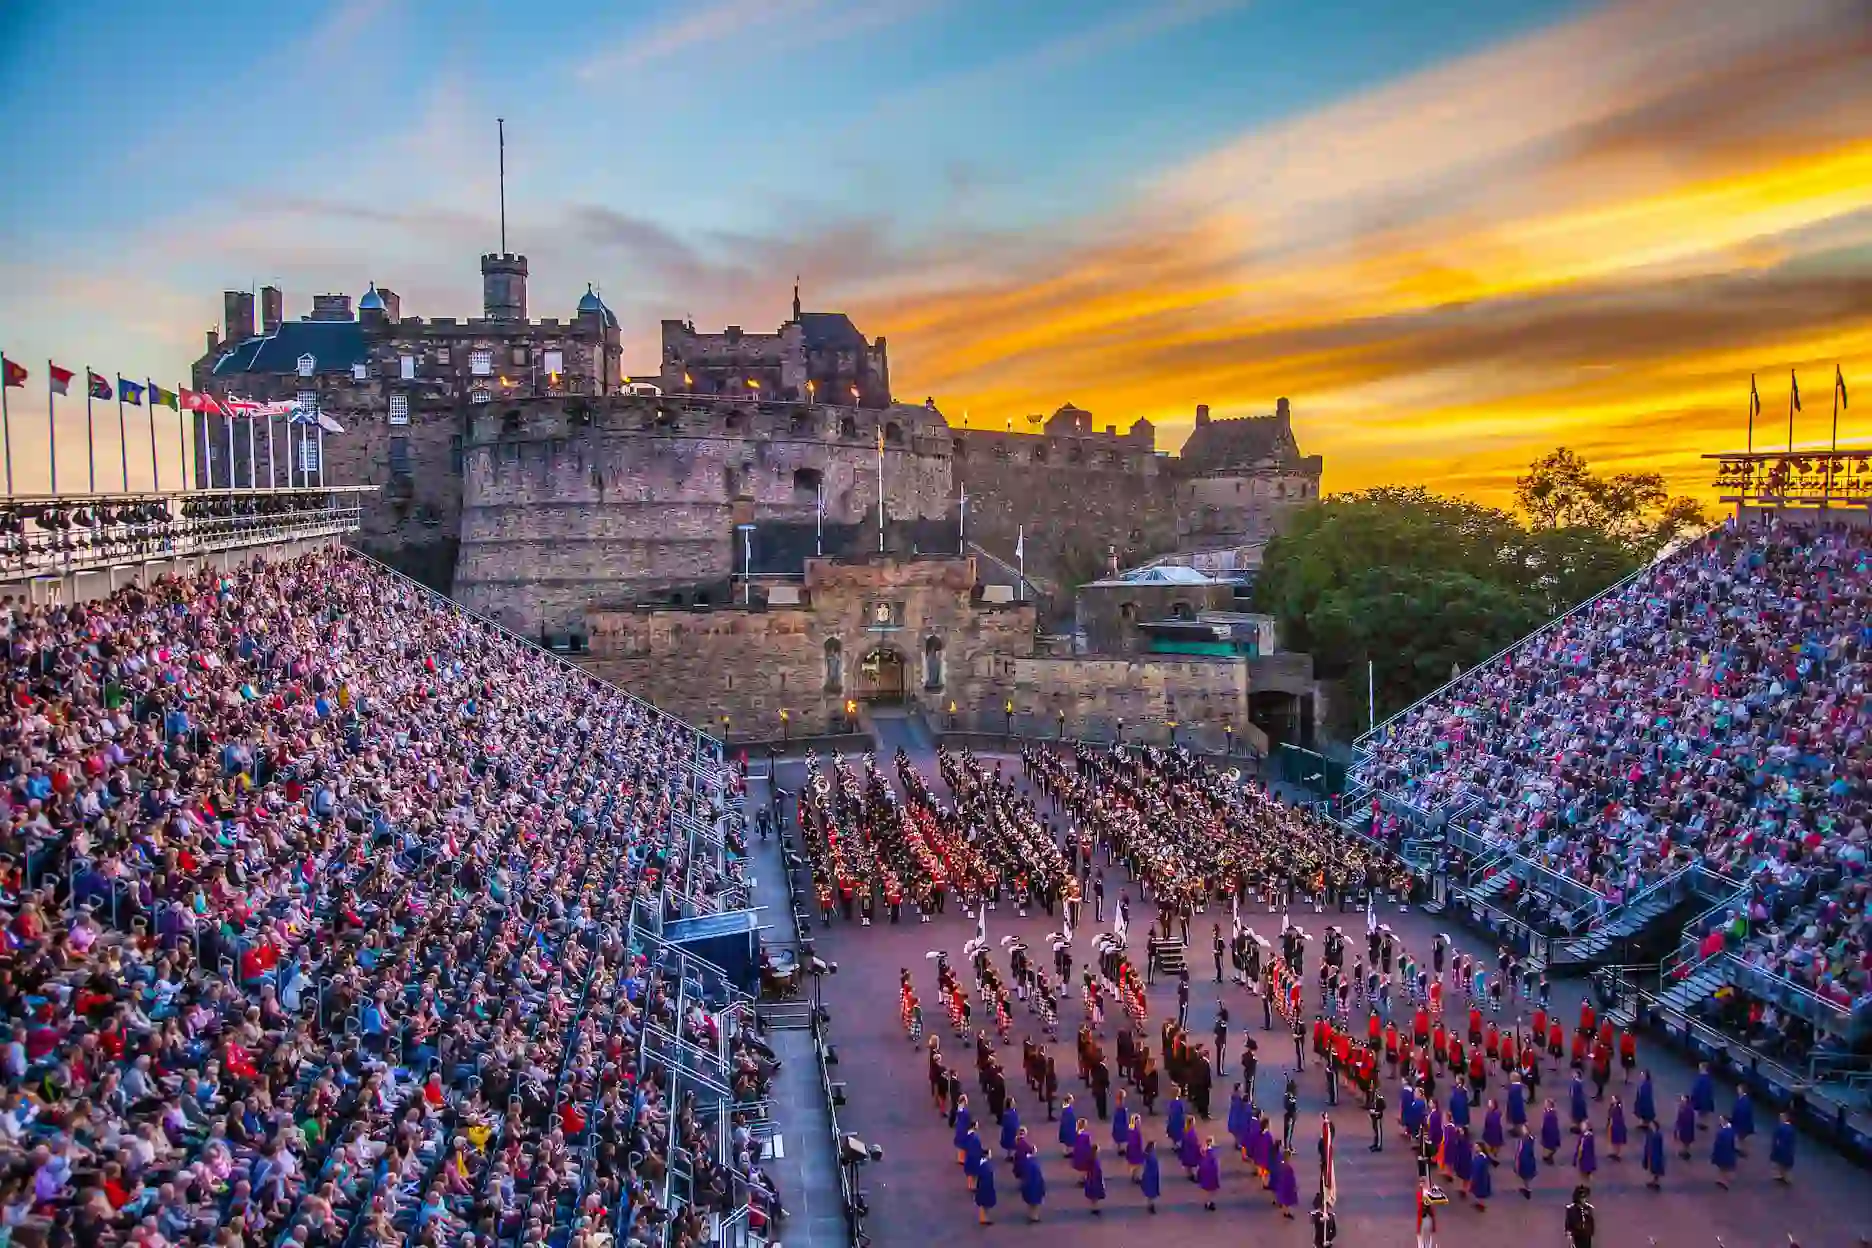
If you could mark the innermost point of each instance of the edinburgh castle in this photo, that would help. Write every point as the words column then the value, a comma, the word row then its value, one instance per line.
column 527, row 472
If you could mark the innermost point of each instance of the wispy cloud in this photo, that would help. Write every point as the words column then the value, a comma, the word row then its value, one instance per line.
column 793, row 24
column 1576, row 236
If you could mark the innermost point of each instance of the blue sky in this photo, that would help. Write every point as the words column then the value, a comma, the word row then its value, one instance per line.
column 1472, row 216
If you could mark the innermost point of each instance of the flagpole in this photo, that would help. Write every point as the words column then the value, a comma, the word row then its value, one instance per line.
column 90, row 431
column 253, row 472
column 1793, row 401
column 1754, row 402
column 227, row 415
column 818, row 522
column 321, row 456
column 182, row 444
column 880, row 485
column 6, row 428
column 123, row 437
column 1838, row 378
column 272, row 461
column 51, row 423
column 1020, row 553
column 149, row 393
column 962, row 524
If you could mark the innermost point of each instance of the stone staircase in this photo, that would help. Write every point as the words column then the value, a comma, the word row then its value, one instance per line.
column 1699, row 986
column 1627, row 923
column 1167, row 957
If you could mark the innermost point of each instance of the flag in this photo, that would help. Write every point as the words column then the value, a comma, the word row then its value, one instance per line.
column 1329, row 1182
column 167, row 398
column 1795, row 383
column 1754, row 397
column 981, row 921
column 96, row 386
column 130, row 392
column 200, row 401
column 279, row 407
column 241, row 407
column 1020, row 542
column 15, row 373
column 61, row 378
column 1839, row 384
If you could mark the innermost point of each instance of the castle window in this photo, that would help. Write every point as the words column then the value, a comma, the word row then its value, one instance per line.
column 1280, row 489
column 555, row 363
column 455, row 453
column 520, row 356
column 1182, row 611
column 1127, row 611
column 893, row 433
column 481, row 363
column 1001, row 450
column 960, row 449
column 801, row 424
column 834, row 665
column 848, row 428
column 1075, row 455
column 442, row 355
column 407, row 367
column 306, row 365
column 400, row 458
column 360, row 371
column 737, row 421
column 807, row 482
column 1040, row 453
column 480, row 394
column 731, row 481
column 933, row 663
column 399, row 409
column 308, row 402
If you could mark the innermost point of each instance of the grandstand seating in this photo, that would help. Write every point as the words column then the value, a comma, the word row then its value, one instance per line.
column 1704, row 721
column 333, row 916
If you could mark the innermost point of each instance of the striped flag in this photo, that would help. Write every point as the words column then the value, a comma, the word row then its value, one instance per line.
column 1794, row 382
column 1329, row 1181
column 59, row 379
column 1839, row 385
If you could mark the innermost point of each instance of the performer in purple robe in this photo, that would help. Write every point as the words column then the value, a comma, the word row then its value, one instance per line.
column 1152, row 1182
column 1723, row 1152
column 1644, row 1103
column 1459, row 1106
column 1492, row 1133
column 972, row 1156
column 1654, row 1151
column 1189, row 1151
column 1121, row 1125
column 1550, row 1131
column 1209, row 1175
column 1525, row 1167
column 1251, row 1138
column 1173, row 1121
column 1024, row 1150
column 1481, row 1182
column 1267, row 1154
column 1517, row 1105
column 1616, row 1130
column 1010, row 1129
column 1781, row 1149
column 1703, row 1095
column 1068, row 1125
column 1461, row 1153
column 1094, row 1179
column 1286, row 1185
column 1446, row 1153
column 1134, row 1151
column 1082, row 1149
column 1236, row 1108
column 1033, row 1189
column 1576, row 1096
column 985, row 1189
column 964, row 1122
column 1586, row 1153
column 1433, row 1126
column 1685, row 1130
column 1742, row 1118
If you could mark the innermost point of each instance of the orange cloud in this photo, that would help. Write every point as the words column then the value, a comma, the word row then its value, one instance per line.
column 1589, row 236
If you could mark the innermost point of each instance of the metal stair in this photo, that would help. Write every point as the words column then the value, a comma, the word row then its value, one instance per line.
column 1627, row 923
column 1686, row 994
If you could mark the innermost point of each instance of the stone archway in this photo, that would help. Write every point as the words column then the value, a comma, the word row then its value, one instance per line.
column 881, row 675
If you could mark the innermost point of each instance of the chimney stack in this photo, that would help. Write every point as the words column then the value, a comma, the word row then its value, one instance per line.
column 1202, row 414
column 272, row 309
column 237, row 307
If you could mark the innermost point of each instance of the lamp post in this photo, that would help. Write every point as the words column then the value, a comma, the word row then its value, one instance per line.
column 1173, row 744
column 952, row 710
column 1008, row 724
column 1228, row 738
column 851, row 715
column 724, row 729
column 1062, row 725
column 811, row 389
column 784, row 727
column 1121, row 730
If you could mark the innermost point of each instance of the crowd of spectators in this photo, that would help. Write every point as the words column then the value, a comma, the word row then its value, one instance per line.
column 1712, row 710
column 317, row 897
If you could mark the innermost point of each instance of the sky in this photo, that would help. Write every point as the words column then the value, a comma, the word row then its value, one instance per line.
column 1454, row 234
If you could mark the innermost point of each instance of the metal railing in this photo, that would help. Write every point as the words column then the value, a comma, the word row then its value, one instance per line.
column 59, row 535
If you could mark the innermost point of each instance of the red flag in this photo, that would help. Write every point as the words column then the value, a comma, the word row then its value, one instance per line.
column 97, row 386
column 199, row 401
column 15, row 373
column 61, row 378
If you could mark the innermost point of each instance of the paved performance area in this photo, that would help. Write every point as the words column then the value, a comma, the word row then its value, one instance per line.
column 918, row 1195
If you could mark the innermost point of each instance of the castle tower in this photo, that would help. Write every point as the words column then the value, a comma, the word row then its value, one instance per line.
column 503, row 286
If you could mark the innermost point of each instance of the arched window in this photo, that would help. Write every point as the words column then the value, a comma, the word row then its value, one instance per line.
column 848, row 428
column 933, row 663
column 807, row 483
column 737, row 421
column 834, row 665
column 893, row 433
column 960, row 449
column 1182, row 611
column 1127, row 611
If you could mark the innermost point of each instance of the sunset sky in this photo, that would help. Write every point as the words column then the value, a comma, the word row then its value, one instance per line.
column 1455, row 235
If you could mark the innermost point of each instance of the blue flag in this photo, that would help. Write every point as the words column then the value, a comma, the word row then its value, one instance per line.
column 130, row 392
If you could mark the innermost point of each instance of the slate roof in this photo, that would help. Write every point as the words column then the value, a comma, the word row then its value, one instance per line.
column 336, row 345
column 830, row 331
column 1240, row 442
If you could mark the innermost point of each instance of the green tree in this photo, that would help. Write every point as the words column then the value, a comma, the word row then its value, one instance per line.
column 1561, row 491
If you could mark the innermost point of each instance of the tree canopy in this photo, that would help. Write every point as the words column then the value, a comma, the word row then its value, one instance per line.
column 1422, row 584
